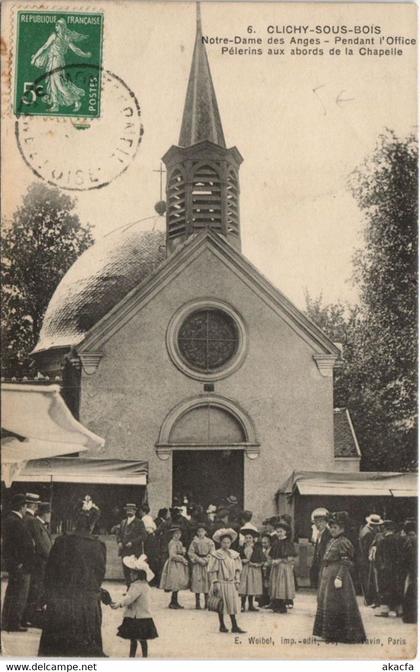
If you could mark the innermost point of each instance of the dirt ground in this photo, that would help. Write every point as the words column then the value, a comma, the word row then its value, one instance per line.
column 190, row 633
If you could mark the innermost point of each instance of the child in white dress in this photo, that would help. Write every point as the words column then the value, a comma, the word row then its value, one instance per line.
column 138, row 624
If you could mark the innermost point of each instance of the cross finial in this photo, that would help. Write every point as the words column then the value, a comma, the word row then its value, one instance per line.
column 160, row 171
column 198, row 18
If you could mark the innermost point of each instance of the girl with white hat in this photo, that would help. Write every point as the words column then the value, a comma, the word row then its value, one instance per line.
column 224, row 573
column 138, row 624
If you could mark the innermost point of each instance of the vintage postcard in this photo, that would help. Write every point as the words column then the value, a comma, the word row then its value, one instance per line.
column 209, row 330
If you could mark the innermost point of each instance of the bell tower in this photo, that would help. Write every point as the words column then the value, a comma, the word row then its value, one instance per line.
column 202, row 190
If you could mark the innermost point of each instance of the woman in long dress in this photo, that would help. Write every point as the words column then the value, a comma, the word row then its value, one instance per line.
column 224, row 573
column 199, row 554
column 282, row 581
column 338, row 617
column 74, row 573
column 175, row 574
column 252, row 562
column 60, row 91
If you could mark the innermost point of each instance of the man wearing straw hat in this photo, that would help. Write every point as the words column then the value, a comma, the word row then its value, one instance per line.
column 367, row 571
column 319, row 519
column 42, row 546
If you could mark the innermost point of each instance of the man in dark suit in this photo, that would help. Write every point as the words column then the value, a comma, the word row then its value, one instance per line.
column 387, row 562
column 319, row 519
column 131, row 537
column 366, row 566
column 39, row 529
column 18, row 551
column 32, row 501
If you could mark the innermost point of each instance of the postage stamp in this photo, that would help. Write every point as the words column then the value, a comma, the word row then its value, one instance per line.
column 82, row 154
column 58, row 64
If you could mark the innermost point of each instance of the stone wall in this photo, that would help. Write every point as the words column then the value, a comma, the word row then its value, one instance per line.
column 278, row 386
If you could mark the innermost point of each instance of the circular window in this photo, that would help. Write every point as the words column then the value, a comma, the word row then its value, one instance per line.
column 208, row 339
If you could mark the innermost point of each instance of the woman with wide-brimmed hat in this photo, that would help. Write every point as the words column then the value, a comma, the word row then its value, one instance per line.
column 282, row 581
column 175, row 574
column 199, row 554
column 224, row 573
column 338, row 617
column 252, row 559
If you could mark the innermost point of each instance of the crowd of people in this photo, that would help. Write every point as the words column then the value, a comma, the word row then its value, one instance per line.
column 388, row 567
column 219, row 554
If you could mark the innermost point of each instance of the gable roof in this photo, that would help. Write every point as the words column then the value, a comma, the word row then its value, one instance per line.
column 345, row 440
column 99, row 294
column 184, row 256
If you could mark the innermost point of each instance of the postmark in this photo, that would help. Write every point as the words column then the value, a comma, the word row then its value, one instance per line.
column 81, row 153
column 47, row 43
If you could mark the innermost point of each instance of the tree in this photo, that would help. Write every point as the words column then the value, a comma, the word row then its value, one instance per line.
column 40, row 243
column 386, row 188
column 339, row 322
column 378, row 382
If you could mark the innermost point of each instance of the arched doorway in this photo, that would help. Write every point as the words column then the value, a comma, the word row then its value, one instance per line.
column 208, row 476
column 207, row 438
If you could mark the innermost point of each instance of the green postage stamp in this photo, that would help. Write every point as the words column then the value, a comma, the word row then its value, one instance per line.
column 58, row 64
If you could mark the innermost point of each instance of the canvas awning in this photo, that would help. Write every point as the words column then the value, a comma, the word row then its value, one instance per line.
column 357, row 484
column 85, row 470
column 38, row 424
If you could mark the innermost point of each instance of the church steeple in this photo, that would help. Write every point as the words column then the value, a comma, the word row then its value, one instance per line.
column 202, row 174
column 201, row 118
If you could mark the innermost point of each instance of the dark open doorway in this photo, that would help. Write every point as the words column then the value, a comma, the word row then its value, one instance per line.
column 208, row 476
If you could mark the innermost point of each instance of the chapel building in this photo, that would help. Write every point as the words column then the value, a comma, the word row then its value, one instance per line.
column 178, row 352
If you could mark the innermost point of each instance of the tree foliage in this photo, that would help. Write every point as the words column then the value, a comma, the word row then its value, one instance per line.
column 378, row 382
column 339, row 321
column 40, row 243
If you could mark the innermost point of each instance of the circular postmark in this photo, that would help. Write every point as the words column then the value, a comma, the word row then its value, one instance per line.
column 78, row 153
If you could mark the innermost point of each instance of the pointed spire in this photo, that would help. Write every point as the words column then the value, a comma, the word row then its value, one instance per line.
column 201, row 118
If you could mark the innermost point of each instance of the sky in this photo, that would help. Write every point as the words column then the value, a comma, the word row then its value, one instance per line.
column 300, row 224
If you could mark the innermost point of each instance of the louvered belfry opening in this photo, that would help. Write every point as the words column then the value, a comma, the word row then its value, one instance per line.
column 232, row 204
column 202, row 193
column 206, row 199
column 176, row 216
column 203, row 186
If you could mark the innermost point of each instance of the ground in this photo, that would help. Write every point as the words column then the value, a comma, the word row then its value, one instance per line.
column 189, row 633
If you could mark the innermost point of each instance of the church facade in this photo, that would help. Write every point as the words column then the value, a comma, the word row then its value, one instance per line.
column 177, row 350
